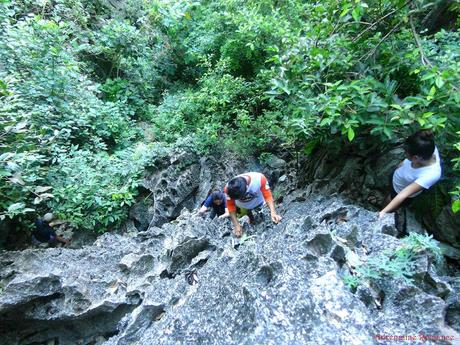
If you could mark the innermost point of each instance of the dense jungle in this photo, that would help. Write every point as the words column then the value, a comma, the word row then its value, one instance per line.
column 120, row 117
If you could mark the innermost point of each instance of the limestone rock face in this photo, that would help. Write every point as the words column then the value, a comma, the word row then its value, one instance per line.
column 181, row 181
column 191, row 281
column 448, row 224
column 363, row 175
column 173, row 188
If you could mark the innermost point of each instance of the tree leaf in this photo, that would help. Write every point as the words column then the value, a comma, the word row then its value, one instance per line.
column 456, row 206
column 387, row 132
column 46, row 196
column 325, row 121
column 356, row 14
column 16, row 208
column 351, row 134
column 41, row 189
column 439, row 81
column 16, row 178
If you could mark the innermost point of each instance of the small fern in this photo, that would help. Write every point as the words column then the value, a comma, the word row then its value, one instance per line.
column 351, row 281
column 418, row 243
column 399, row 264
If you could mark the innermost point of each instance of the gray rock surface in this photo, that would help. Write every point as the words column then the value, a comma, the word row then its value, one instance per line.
column 364, row 175
column 448, row 225
column 181, row 181
column 174, row 187
column 191, row 282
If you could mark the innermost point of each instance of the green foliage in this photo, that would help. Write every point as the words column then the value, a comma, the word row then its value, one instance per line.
column 397, row 264
column 351, row 281
column 133, row 61
column 81, row 81
column 93, row 191
column 429, row 205
column 456, row 191
column 220, row 107
column 421, row 243
column 325, row 71
column 49, row 107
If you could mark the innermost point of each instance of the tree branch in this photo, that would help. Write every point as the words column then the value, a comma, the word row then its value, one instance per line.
column 337, row 27
column 424, row 59
column 381, row 19
column 372, row 52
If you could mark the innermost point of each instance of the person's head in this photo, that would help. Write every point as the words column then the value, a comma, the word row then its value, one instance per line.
column 236, row 187
column 47, row 218
column 217, row 197
column 420, row 145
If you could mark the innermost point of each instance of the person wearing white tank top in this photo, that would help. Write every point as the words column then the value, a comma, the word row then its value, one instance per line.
column 418, row 172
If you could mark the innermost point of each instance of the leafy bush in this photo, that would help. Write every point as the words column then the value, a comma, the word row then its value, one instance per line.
column 325, row 71
column 93, row 191
column 220, row 107
column 54, row 120
column 82, row 80
column 357, row 69
column 397, row 264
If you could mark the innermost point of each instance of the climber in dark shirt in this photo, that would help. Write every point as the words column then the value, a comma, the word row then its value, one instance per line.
column 44, row 233
column 217, row 200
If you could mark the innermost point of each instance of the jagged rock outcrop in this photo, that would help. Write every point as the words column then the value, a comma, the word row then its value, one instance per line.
column 363, row 175
column 172, row 189
column 191, row 282
column 183, row 181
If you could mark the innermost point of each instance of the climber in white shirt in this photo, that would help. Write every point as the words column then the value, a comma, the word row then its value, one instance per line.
column 419, row 171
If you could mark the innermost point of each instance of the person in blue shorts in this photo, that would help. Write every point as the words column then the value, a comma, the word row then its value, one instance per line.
column 217, row 202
